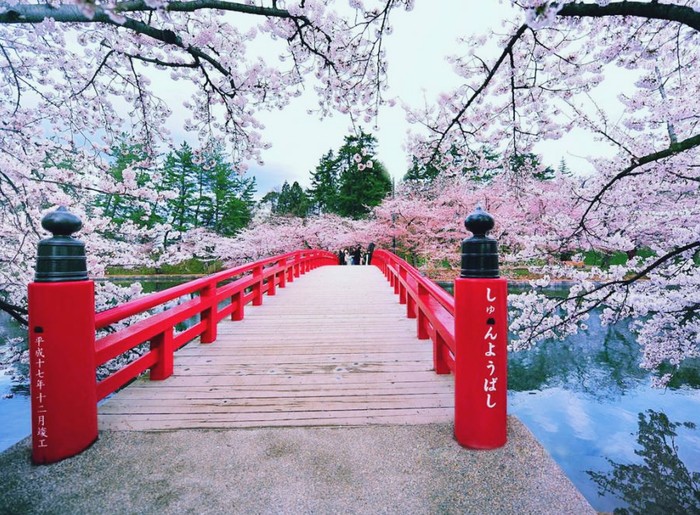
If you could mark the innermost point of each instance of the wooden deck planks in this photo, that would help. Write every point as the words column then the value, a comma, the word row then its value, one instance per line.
column 332, row 348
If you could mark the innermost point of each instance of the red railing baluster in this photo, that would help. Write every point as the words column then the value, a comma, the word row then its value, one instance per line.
column 272, row 282
column 239, row 307
column 422, row 319
column 439, row 363
column 410, row 307
column 208, row 316
column 402, row 285
column 283, row 273
column 162, row 345
column 258, row 285
column 290, row 269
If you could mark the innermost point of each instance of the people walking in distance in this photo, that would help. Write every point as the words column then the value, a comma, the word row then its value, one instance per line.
column 370, row 251
column 357, row 256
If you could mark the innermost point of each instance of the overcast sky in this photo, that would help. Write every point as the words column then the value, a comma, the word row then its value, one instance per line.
column 418, row 72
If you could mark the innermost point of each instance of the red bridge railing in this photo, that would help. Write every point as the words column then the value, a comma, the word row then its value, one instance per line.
column 64, row 352
column 469, row 331
column 425, row 301
column 235, row 288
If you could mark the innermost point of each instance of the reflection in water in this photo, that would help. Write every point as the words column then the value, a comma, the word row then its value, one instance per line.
column 661, row 483
column 581, row 398
column 601, row 361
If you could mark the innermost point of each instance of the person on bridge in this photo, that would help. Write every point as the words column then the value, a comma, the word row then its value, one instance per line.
column 357, row 256
column 370, row 251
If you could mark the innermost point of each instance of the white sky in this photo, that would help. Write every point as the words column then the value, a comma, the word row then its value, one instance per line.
column 418, row 72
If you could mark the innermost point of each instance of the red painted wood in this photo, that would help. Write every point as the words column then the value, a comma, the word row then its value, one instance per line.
column 124, row 375
column 62, row 369
column 113, row 315
column 470, row 336
column 439, row 349
column 410, row 307
column 402, row 285
column 238, row 306
column 283, row 273
column 118, row 343
column 187, row 335
column 162, row 346
column 481, row 335
column 272, row 283
column 422, row 325
column 258, row 286
column 208, row 315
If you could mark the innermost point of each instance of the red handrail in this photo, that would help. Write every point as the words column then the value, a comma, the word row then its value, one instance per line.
column 245, row 284
column 432, row 306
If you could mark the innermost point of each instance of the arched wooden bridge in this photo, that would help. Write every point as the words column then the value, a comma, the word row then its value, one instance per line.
column 338, row 347
column 335, row 348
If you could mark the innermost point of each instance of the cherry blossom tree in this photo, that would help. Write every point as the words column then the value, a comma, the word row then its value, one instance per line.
column 78, row 74
column 426, row 224
column 550, row 78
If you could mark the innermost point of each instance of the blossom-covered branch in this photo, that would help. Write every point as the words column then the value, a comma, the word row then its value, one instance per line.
column 639, row 195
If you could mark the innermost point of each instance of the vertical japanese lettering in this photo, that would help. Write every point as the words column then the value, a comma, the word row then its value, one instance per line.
column 39, row 386
column 491, row 380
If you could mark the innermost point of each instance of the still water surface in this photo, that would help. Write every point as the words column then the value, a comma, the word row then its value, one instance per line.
column 621, row 442
column 593, row 409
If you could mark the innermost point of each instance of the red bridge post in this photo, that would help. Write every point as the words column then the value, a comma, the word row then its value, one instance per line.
column 481, row 338
column 62, row 344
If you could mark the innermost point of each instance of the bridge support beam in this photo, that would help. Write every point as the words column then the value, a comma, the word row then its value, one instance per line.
column 481, row 338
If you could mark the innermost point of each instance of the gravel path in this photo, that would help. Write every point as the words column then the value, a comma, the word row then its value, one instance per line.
column 380, row 469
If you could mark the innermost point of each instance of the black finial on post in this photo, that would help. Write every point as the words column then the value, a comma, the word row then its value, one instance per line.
column 61, row 258
column 479, row 253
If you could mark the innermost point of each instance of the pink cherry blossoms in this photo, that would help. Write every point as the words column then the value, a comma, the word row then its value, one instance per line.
column 76, row 75
column 550, row 78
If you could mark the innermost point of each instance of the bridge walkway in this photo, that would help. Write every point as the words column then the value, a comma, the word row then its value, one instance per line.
column 333, row 348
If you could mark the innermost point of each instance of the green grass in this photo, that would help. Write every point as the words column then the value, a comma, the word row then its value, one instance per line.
column 189, row 267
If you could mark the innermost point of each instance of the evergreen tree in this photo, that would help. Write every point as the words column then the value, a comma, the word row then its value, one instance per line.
column 271, row 198
column 564, row 169
column 530, row 164
column 227, row 203
column 292, row 200
column 209, row 193
column 324, row 185
column 363, row 181
column 420, row 174
column 180, row 176
column 122, row 208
